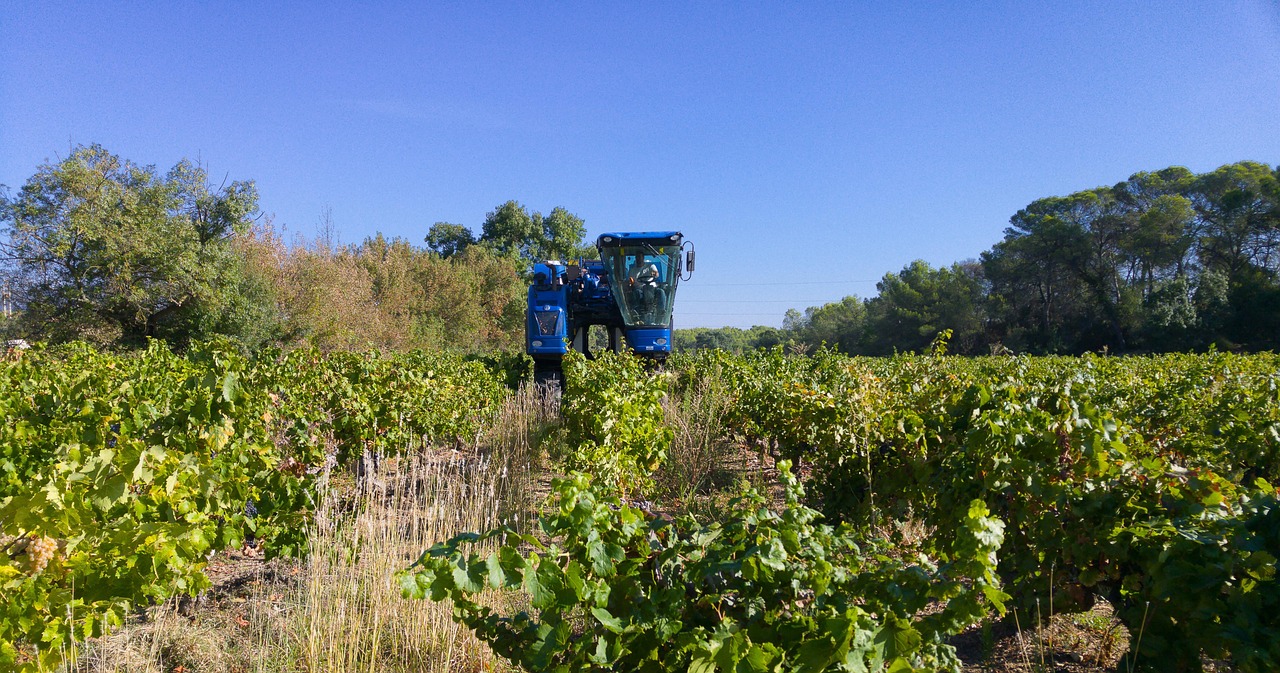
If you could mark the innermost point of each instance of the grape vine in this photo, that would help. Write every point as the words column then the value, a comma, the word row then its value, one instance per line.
column 119, row 475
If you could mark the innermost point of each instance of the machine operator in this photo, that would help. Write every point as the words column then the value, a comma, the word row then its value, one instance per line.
column 649, row 297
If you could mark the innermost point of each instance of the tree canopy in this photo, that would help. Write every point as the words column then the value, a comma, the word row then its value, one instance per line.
column 511, row 228
column 1165, row 260
column 106, row 250
column 447, row 239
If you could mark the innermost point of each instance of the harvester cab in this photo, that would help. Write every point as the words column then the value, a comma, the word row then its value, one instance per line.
column 630, row 291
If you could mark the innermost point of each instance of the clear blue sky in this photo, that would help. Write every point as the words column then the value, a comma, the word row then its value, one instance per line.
column 806, row 148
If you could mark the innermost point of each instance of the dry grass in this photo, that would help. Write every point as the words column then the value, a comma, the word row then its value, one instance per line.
column 339, row 610
column 1083, row 642
column 352, row 617
column 701, row 456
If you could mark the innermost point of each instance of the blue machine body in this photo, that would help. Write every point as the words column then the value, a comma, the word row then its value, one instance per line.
column 630, row 291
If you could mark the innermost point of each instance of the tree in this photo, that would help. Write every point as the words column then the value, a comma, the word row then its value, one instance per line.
column 917, row 303
column 563, row 233
column 1239, row 218
column 732, row 339
column 1054, row 277
column 109, row 251
column 448, row 239
column 765, row 337
column 838, row 324
column 387, row 293
column 1160, row 241
column 1238, row 236
column 511, row 229
column 1158, row 245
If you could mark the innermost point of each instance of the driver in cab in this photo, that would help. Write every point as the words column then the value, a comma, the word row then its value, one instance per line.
column 649, row 298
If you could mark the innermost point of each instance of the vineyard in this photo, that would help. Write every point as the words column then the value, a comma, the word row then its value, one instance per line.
column 909, row 500
column 120, row 475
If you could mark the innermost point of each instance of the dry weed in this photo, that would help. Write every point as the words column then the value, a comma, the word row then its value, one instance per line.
column 700, row 453
column 339, row 610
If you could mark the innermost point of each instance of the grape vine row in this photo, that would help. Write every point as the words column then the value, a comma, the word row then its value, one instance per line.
column 121, row 474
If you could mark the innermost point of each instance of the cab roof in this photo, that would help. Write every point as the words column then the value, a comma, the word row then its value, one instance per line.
column 634, row 237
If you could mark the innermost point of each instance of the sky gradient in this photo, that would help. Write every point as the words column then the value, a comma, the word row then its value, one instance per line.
column 806, row 150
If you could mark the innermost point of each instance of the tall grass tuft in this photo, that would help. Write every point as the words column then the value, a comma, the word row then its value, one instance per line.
column 339, row 610
column 352, row 616
column 701, row 457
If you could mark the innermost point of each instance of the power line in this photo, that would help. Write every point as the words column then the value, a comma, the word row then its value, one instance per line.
column 798, row 282
column 685, row 313
column 752, row 301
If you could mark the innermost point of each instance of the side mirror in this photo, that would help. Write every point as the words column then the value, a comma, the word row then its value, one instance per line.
column 684, row 263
